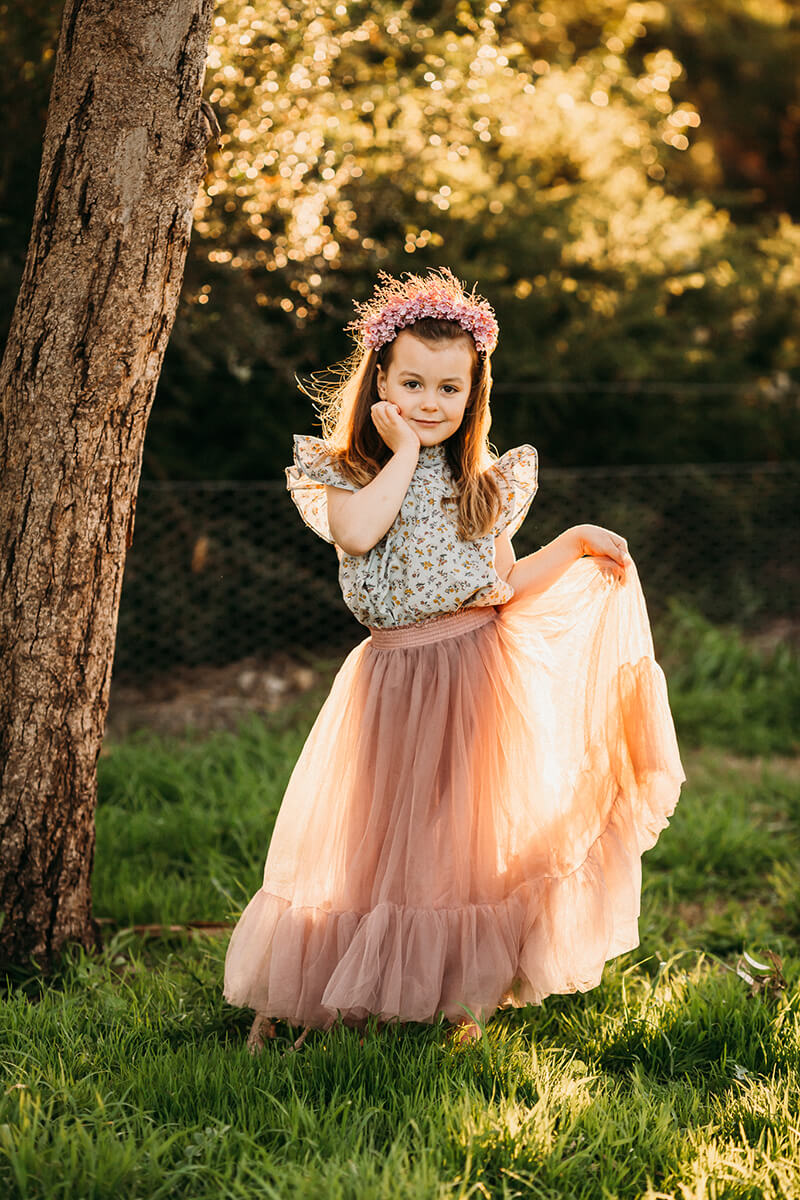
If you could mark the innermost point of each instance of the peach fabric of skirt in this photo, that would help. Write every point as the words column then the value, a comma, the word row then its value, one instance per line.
column 463, row 828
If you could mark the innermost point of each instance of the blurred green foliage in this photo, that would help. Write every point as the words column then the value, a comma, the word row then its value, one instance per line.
column 618, row 178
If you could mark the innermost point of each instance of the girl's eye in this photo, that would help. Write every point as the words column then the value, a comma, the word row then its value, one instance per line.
column 449, row 386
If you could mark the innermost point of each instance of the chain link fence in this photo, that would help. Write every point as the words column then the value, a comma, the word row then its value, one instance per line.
column 221, row 571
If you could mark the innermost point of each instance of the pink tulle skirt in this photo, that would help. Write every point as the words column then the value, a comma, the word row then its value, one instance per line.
column 463, row 828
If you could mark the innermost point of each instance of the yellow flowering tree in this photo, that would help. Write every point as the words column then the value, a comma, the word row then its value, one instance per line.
column 532, row 151
column 619, row 177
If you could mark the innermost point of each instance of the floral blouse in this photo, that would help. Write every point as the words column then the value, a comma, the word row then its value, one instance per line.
column 420, row 568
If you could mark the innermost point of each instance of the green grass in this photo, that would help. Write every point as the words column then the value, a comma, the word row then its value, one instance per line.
column 127, row 1076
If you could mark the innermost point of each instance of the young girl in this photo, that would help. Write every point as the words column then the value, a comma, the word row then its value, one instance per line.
column 464, row 826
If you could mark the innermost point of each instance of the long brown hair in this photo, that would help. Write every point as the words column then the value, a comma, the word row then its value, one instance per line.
column 360, row 451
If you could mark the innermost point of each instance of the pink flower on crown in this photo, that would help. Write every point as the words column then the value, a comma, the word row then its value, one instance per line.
column 397, row 303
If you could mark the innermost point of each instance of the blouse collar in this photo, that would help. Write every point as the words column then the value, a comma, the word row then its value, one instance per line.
column 432, row 456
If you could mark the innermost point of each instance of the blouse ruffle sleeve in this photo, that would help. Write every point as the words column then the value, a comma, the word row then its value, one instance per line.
column 517, row 474
column 314, row 466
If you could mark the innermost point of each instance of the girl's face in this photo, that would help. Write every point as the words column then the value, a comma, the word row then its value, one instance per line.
column 430, row 384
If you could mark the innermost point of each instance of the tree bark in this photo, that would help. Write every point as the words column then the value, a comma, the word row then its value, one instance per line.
column 123, row 157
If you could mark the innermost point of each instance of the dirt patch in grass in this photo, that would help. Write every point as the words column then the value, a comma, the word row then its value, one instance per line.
column 208, row 699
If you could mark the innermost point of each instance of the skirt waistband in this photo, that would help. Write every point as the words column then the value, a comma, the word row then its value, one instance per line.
column 433, row 629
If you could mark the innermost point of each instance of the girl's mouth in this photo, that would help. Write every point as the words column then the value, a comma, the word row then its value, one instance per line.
column 421, row 422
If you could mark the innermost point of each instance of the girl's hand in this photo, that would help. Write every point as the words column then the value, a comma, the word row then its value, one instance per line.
column 394, row 429
column 608, row 548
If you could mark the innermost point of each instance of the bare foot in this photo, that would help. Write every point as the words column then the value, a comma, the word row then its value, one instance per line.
column 297, row 1043
column 464, row 1030
column 262, row 1027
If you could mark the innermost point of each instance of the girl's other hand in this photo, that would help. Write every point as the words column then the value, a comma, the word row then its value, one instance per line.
column 393, row 428
column 609, row 548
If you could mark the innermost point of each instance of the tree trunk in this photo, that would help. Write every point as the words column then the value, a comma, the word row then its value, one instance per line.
column 123, row 157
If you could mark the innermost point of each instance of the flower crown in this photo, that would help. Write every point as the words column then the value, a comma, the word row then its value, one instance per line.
column 395, row 304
